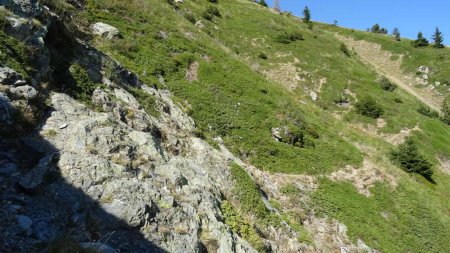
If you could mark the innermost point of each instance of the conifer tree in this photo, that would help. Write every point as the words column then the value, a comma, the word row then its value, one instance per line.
column 307, row 15
column 396, row 34
column 438, row 39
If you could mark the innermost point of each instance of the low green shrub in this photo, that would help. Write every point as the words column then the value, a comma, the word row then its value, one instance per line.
column 445, row 117
column 289, row 37
column 398, row 100
column 262, row 55
column 211, row 12
column 427, row 111
column 387, row 85
column 83, row 84
column 369, row 107
column 190, row 17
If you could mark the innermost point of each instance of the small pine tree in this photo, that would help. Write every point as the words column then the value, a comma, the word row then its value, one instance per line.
column 438, row 39
column 409, row 159
column 263, row 3
column 396, row 34
column 335, row 22
column 375, row 28
column 383, row 31
column 307, row 15
column 420, row 41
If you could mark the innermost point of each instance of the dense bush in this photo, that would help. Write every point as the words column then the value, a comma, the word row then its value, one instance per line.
column 387, row 85
column 211, row 12
column 408, row 158
column 289, row 37
column 424, row 110
column 369, row 107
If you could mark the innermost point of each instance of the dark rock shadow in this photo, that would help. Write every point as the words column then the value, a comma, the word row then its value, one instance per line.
column 41, row 212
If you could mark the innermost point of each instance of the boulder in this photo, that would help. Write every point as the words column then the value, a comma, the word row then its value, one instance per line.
column 9, row 76
column 424, row 69
column 27, row 92
column 276, row 133
column 105, row 31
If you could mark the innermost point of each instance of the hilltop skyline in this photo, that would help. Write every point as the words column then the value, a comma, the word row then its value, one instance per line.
column 408, row 16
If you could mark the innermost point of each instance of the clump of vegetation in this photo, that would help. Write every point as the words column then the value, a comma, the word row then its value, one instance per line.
column 83, row 84
column 420, row 41
column 14, row 54
column 341, row 100
column 190, row 17
column 408, row 158
column 427, row 111
column 398, row 100
column 344, row 49
column 369, row 107
column 146, row 100
column 445, row 117
column 240, row 226
column 387, row 85
column 263, row 3
column 262, row 55
column 377, row 29
column 211, row 12
column 248, row 193
column 213, row 1
column 289, row 37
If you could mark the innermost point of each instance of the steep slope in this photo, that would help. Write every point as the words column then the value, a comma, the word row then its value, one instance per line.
column 380, row 60
column 154, row 126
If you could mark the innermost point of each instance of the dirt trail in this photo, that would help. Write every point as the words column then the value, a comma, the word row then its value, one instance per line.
column 380, row 60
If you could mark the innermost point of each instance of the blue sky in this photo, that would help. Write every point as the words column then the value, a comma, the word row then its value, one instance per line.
column 410, row 16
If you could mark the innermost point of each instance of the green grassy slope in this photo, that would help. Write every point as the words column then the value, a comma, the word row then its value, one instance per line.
column 241, row 96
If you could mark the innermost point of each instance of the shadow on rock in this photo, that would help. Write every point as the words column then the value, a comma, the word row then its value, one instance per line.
column 41, row 212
